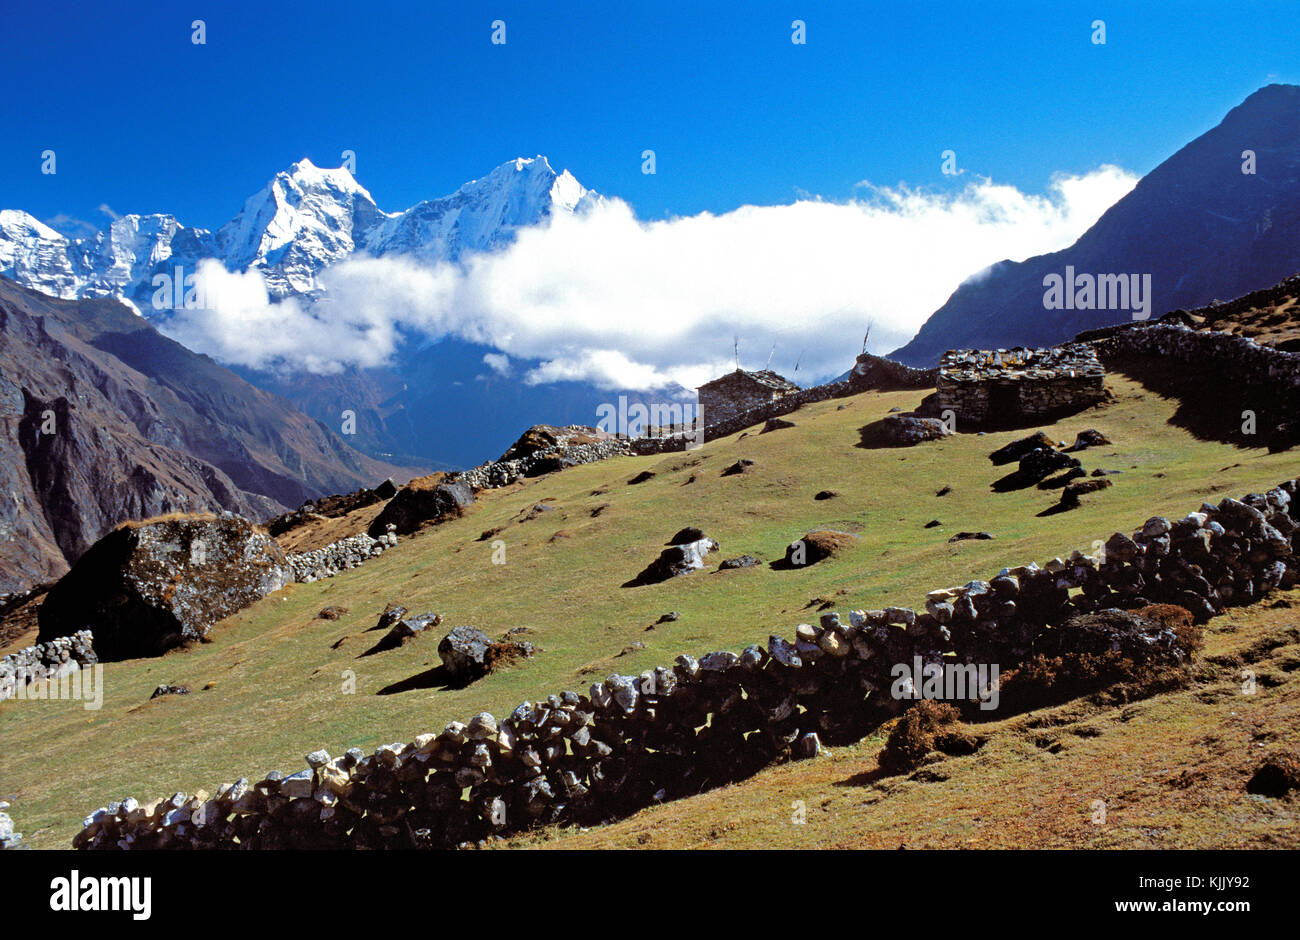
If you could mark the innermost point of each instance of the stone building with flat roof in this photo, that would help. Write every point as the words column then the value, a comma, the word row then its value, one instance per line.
column 1007, row 387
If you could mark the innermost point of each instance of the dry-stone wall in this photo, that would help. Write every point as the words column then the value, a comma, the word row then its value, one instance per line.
column 47, row 660
column 504, row 472
column 351, row 552
column 1224, row 355
column 676, row 730
column 745, row 419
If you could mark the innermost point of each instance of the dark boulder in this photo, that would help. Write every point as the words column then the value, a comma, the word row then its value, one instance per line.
column 776, row 424
column 463, row 652
column 901, row 431
column 468, row 654
column 815, row 546
column 1070, row 495
column 149, row 586
column 1089, row 438
column 1139, row 638
column 424, row 500
column 675, row 561
column 1019, row 448
column 404, row 630
column 744, row 561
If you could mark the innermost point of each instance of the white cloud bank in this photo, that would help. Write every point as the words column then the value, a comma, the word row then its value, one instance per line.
column 626, row 304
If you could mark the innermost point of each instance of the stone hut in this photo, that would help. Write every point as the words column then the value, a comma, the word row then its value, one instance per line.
column 739, row 391
column 1019, row 386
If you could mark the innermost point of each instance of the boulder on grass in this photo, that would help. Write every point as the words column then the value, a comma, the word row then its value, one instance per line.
column 149, row 586
column 1070, row 495
column 468, row 654
column 426, row 499
column 463, row 652
column 1089, row 438
column 901, row 431
column 817, row 545
column 404, row 630
column 675, row 561
column 1012, row 452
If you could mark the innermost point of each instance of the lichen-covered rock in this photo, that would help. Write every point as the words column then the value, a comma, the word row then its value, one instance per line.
column 149, row 586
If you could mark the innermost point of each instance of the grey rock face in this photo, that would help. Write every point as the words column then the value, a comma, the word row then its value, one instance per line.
column 148, row 587
column 464, row 652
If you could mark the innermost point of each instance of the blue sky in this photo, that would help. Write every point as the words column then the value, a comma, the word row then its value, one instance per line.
column 143, row 120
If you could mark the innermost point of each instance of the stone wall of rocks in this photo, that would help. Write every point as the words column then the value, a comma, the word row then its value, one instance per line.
column 504, row 472
column 47, row 660
column 351, row 552
column 745, row 419
column 632, row 741
column 871, row 371
column 1226, row 355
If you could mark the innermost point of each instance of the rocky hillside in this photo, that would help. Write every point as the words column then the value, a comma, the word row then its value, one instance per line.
column 1197, row 224
column 102, row 419
column 1270, row 316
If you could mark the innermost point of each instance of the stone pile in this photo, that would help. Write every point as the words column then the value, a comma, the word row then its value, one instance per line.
column 351, row 552
column 47, row 660
column 668, row 732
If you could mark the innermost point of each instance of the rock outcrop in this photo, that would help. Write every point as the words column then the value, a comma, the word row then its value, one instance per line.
column 424, row 500
column 150, row 586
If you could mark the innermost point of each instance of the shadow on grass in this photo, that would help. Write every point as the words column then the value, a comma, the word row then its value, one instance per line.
column 436, row 678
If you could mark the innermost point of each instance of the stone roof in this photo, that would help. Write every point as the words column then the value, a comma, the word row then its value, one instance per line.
column 1072, row 360
column 764, row 377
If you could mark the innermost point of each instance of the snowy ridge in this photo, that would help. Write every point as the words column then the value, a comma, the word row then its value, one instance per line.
column 305, row 219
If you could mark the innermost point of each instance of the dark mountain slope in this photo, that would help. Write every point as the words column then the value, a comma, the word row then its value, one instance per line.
column 102, row 419
column 1197, row 224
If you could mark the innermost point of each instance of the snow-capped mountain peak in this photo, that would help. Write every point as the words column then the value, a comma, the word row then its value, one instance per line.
column 303, row 220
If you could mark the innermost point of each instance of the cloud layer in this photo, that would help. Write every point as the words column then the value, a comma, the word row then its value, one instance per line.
column 606, row 298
